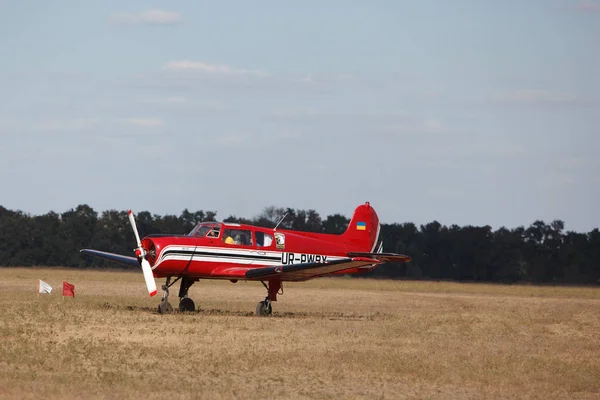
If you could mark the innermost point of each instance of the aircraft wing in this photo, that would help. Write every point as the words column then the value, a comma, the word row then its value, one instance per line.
column 305, row 271
column 116, row 258
column 382, row 257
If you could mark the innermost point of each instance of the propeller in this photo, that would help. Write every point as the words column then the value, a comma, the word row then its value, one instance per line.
column 140, row 252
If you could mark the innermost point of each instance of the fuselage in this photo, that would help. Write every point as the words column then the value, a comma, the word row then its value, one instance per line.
column 212, row 248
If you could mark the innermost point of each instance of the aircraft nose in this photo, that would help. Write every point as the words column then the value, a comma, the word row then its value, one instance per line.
column 151, row 251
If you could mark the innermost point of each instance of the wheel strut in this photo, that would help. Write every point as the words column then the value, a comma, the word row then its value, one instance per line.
column 185, row 303
column 265, row 308
column 165, row 307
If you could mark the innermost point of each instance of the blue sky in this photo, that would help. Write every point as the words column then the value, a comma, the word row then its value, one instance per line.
column 467, row 112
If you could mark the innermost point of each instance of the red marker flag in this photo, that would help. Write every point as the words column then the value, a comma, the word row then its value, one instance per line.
column 68, row 289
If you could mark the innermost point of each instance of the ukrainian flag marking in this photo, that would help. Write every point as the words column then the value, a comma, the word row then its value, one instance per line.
column 361, row 226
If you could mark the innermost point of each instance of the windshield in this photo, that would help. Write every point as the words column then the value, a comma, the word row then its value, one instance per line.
column 200, row 230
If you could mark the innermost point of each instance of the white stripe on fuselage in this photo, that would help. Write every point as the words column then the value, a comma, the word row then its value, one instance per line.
column 256, row 257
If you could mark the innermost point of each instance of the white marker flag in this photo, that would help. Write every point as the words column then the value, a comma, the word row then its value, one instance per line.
column 44, row 287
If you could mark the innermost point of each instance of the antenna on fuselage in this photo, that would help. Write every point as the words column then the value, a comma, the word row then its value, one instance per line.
column 280, row 221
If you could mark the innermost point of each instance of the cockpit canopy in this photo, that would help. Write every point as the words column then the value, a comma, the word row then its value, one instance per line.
column 232, row 234
column 209, row 229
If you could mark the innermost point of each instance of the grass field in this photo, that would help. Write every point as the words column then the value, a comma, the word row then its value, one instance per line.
column 327, row 338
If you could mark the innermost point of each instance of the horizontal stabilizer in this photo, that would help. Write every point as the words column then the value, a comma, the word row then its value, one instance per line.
column 383, row 257
column 116, row 258
column 304, row 271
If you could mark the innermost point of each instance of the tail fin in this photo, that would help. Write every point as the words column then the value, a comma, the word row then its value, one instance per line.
column 363, row 232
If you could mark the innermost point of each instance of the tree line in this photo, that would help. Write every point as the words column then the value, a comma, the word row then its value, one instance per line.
column 540, row 253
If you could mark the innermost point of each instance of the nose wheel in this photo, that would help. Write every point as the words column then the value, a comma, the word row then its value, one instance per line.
column 165, row 307
column 185, row 303
column 264, row 309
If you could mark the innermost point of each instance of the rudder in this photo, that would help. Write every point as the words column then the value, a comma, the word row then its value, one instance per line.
column 363, row 232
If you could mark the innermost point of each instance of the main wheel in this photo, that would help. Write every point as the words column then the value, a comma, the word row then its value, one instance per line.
column 187, row 304
column 165, row 308
column 263, row 310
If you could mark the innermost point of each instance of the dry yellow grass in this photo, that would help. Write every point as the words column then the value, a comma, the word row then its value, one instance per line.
column 328, row 338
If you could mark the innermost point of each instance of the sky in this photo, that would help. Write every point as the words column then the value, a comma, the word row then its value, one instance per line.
column 467, row 112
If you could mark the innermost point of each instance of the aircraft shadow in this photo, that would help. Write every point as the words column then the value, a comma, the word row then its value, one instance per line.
column 276, row 314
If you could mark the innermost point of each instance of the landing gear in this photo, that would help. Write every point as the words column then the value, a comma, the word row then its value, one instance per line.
column 165, row 307
column 264, row 308
column 185, row 303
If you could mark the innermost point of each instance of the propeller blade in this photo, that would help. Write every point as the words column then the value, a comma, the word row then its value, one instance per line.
column 134, row 226
column 141, row 253
column 148, row 277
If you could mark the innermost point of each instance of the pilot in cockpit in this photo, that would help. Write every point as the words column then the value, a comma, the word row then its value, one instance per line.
column 227, row 237
column 213, row 233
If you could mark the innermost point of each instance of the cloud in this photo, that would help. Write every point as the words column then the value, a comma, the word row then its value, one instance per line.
column 175, row 100
column 316, row 82
column 51, row 125
column 149, row 17
column 312, row 113
column 296, row 113
column 170, row 100
column 186, row 65
column 67, row 124
column 535, row 96
column 78, row 124
column 146, row 122
column 556, row 181
column 183, row 103
column 446, row 192
column 427, row 126
column 587, row 6
column 324, row 81
column 230, row 140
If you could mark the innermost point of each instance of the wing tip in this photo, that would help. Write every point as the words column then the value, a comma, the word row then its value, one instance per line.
column 367, row 259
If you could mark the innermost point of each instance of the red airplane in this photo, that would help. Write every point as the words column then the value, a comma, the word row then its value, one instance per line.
column 222, row 250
